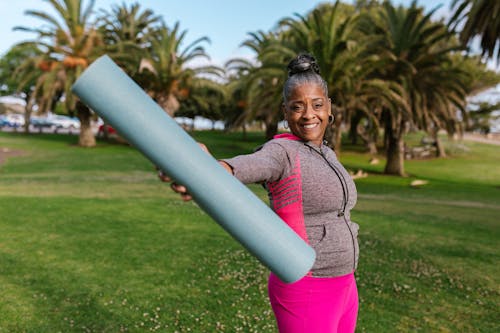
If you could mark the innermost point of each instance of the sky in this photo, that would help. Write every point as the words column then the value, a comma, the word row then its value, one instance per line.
column 225, row 22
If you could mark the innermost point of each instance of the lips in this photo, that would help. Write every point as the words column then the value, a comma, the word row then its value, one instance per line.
column 310, row 126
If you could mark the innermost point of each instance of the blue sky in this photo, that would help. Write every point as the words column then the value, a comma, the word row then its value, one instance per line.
column 225, row 22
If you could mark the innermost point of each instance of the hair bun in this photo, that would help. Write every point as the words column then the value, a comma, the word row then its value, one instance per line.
column 302, row 63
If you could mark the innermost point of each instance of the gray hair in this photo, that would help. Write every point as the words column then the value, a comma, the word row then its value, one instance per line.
column 303, row 70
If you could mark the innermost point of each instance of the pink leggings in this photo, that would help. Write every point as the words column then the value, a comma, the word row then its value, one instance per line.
column 315, row 305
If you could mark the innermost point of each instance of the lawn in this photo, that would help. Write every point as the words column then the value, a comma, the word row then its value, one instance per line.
column 91, row 241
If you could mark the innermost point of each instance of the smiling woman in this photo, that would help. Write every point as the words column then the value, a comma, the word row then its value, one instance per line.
column 307, row 110
column 313, row 193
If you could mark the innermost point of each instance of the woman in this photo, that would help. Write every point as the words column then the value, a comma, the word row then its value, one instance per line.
column 313, row 193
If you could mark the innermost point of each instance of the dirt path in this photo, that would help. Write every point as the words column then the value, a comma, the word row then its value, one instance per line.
column 7, row 152
column 456, row 203
column 494, row 140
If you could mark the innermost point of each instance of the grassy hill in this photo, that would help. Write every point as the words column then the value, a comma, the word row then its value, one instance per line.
column 91, row 241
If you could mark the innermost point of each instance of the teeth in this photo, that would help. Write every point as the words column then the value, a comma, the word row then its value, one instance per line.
column 310, row 126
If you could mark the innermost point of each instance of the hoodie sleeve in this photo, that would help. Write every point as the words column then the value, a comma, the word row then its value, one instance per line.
column 267, row 164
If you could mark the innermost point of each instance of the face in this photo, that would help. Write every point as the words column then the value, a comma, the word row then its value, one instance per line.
column 307, row 111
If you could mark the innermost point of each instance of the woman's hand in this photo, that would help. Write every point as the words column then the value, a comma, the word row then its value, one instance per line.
column 181, row 189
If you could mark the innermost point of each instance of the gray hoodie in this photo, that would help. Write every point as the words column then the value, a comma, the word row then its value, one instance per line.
column 313, row 193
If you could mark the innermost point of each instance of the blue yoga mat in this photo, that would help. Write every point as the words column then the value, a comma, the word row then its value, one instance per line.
column 108, row 91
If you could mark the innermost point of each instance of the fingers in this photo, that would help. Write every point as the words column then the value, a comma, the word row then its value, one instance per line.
column 186, row 197
column 204, row 148
column 227, row 167
column 182, row 190
column 163, row 177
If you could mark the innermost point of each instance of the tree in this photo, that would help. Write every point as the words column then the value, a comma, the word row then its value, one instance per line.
column 262, row 82
column 479, row 79
column 206, row 100
column 235, row 87
column 20, row 80
column 69, row 42
column 479, row 18
column 334, row 35
column 127, row 33
column 329, row 33
column 415, row 51
column 480, row 116
column 325, row 33
column 164, row 72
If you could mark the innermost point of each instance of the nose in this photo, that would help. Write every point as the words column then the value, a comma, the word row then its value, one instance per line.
column 308, row 112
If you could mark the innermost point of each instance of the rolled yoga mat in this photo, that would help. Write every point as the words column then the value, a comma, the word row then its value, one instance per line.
column 107, row 90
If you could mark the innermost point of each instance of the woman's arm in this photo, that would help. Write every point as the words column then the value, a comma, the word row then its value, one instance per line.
column 181, row 189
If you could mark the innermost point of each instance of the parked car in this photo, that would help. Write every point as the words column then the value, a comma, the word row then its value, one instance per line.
column 106, row 131
column 41, row 122
column 65, row 122
column 13, row 120
column 112, row 134
column 103, row 129
column 3, row 121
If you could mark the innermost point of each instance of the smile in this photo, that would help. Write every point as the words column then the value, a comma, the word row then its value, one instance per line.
column 310, row 126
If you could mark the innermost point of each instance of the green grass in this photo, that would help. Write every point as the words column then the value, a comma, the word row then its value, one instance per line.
column 91, row 241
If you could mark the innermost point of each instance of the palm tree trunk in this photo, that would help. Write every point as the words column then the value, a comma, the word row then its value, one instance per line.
column 337, row 141
column 370, row 143
column 271, row 123
column 371, row 147
column 87, row 138
column 370, row 139
column 168, row 103
column 440, row 152
column 271, row 129
column 353, row 127
column 244, row 126
column 28, row 110
column 191, row 127
column 395, row 148
column 451, row 129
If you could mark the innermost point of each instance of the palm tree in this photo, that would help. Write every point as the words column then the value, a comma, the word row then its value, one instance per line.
column 479, row 18
column 261, row 82
column 70, row 42
column 236, row 87
column 481, row 115
column 127, row 33
column 19, row 75
column 164, row 71
column 440, row 99
column 207, row 98
column 479, row 79
column 414, row 51
column 328, row 32
column 334, row 36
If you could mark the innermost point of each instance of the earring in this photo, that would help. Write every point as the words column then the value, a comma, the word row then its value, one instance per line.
column 331, row 118
column 285, row 124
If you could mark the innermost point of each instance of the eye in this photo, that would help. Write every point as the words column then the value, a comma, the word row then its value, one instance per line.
column 297, row 107
column 318, row 106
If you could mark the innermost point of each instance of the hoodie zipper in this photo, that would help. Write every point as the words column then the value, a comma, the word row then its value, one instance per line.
column 345, row 196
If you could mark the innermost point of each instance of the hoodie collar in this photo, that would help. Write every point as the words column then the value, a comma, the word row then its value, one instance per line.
column 290, row 136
